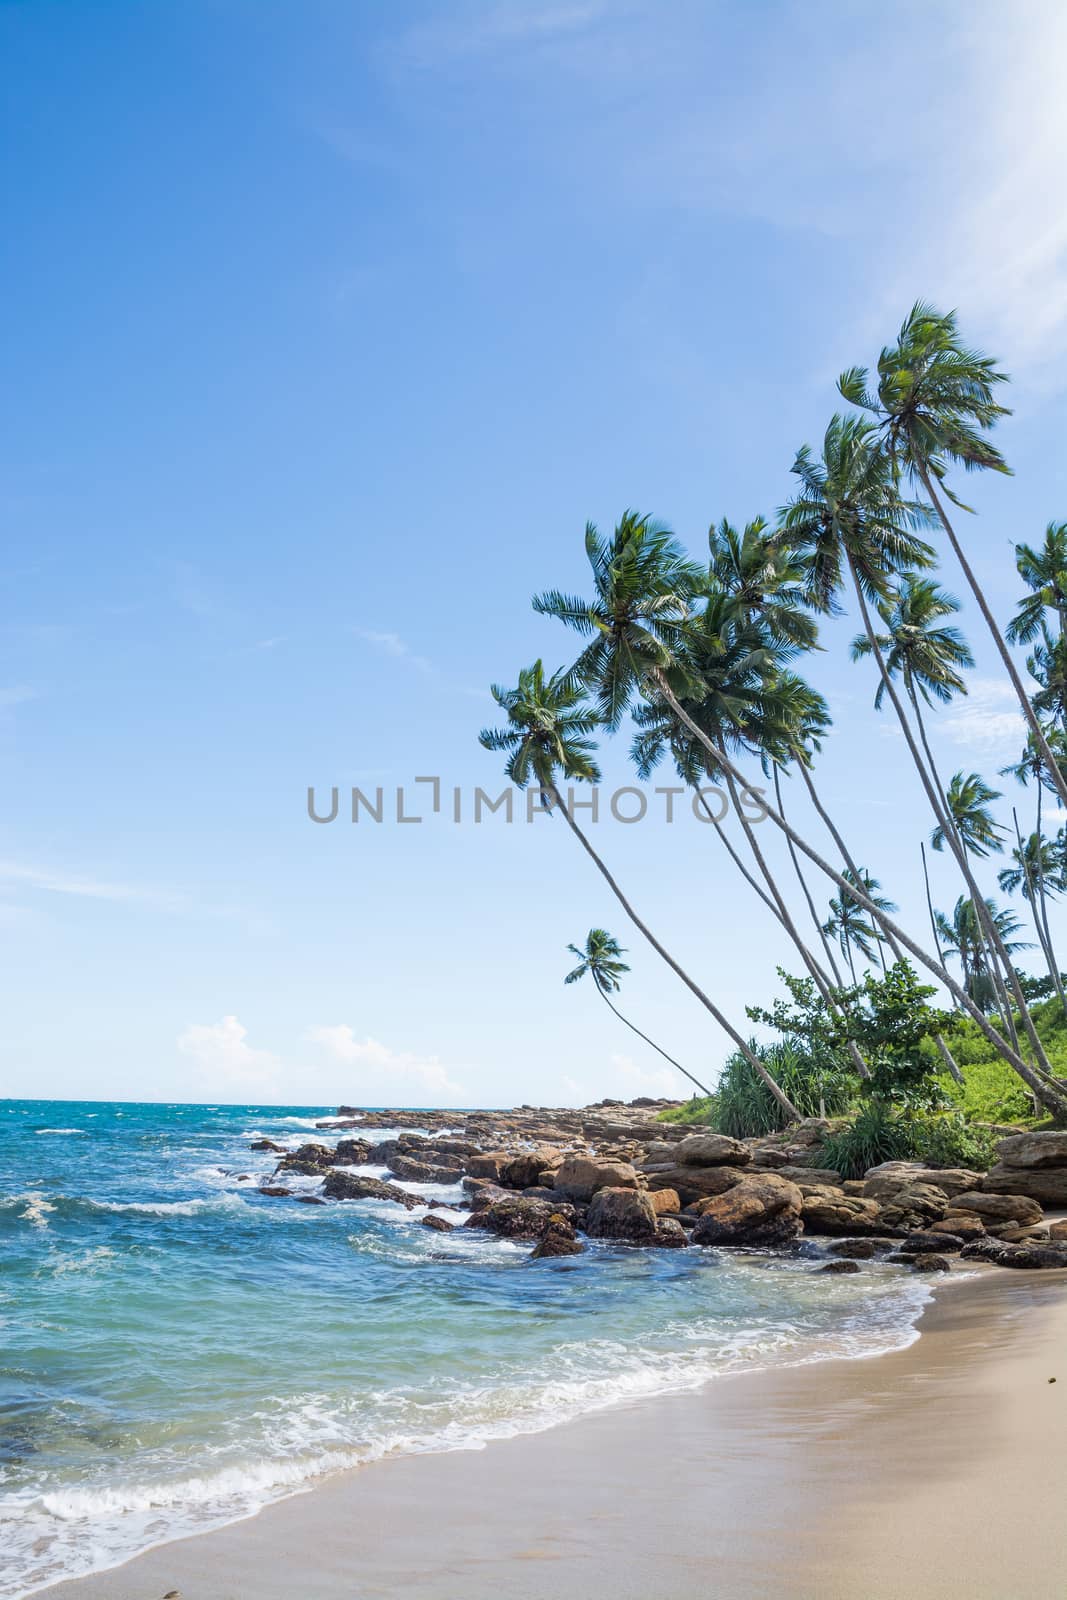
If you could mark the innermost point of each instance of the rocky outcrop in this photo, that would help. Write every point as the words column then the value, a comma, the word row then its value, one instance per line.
column 438, row 1224
column 693, row 1183
column 309, row 1160
column 1004, row 1254
column 267, row 1144
column 579, row 1177
column 931, row 1263
column 619, row 1213
column 1033, row 1165
column 665, row 1202
column 883, row 1182
column 711, row 1150
column 841, row 1267
column 531, row 1167
column 922, row 1244
column 830, row 1211
column 558, row 1238
column 1034, row 1150
column 354, row 1186
column 914, row 1206
column 412, row 1171
column 760, row 1209
column 516, row 1217
column 993, row 1208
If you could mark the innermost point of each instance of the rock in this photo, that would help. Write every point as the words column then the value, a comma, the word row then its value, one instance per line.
column 1015, row 1234
column 840, row 1266
column 438, row 1224
column 515, row 1217
column 579, row 1177
column 830, row 1211
column 352, row 1186
column 482, row 1192
column 309, row 1160
column 1003, row 1254
column 1046, row 1184
column 694, row 1183
column 858, row 1249
column 1034, row 1150
column 411, row 1171
column 930, row 1263
column 711, row 1150
column 820, row 1177
column 489, row 1164
column 267, row 1144
column 619, row 1213
column 913, row 1207
column 1058, row 1230
column 961, row 1224
column 311, row 1199
column 523, row 1171
column 274, row 1191
column 930, row 1243
column 884, row 1181
column 1001, row 1207
column 670, row 1234
column 351, row 1153
column 557, row 1241
column 761, row 1209
column 853, row 1186
column 665, row 1202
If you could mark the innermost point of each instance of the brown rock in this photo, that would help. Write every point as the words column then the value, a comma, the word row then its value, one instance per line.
column 841, row 1266
column 489, row 1164
column 579, row 1177
column 309, row 1160
column 525, row 1170
column 556, row 1242
column 274, row 1191
column 518, row 1218
column 883, row 1182
column 619, row 1213
column 963, row 1225
column 1001, row 1207
column 1046, row 1184
column 670, row 1234
column 921, row 1244
column 1058, row 1230
column 1034, row 1150
column 711, row 1150
column 858, row 1249
column 761, row 1209
column 930, row 1263
column 695, row 1183
column 831, row 1211
column 914, row 1206
column 267, row 1144
column 438, row 1224
column 665, row 1202
column 352, row 1186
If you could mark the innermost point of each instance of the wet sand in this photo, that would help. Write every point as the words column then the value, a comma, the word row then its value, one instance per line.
column 940, row 1470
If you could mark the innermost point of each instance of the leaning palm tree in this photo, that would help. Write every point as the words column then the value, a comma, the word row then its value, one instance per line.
column 1044, row 571
column 963, row 935
column 934, row 404
column 600, row 958
column 764, row 580
column 547, row 737
column 850, row 518
column 968, row 799
column 848, row 925
column 636, row 625
column 1037, row 871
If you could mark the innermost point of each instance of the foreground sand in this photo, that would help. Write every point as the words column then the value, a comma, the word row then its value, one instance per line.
column 938, row 1471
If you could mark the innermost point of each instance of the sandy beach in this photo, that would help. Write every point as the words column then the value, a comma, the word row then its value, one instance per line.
column 939, row 1469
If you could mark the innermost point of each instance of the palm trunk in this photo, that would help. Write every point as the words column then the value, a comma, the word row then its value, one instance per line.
column 1036, row 896
column 804, row 886
column 750, row 1056
column 948, row 827
column 1050, row 1097
column 1042, row 896
column 946, row 1054
column 1005, row 654
column 634, row 1029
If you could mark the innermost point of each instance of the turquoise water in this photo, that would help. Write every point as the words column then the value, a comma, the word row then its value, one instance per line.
column 176, row 1351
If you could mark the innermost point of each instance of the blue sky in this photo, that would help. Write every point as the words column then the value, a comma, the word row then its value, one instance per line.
column 326, row 329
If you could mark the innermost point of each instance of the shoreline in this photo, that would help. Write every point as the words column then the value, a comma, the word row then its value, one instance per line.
column 823, row 1479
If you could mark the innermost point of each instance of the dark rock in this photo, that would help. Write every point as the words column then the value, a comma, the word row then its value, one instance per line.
column 309, row 1160
column 438, row 1224
column 621, row 1213
column 930, row 1263
column 858, row 1249
column 557, row 1239
column 274, row 1190
column 412, row 1171
column 267, row 1144
column 1003, row 1254
column 351, row 1153
column 311, row 1199
column 515, row 1217
column 762, row 1209
column 353, row 1186
column 918, row 1244
column 670, row 1234
column 840, row 1266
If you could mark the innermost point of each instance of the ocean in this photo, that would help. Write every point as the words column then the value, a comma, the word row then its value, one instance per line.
column 177, row 1351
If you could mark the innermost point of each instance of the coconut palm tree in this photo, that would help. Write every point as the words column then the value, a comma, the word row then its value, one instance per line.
column 849, row 517
column 637, row 623
column 764, row 580
column 847, row 924
column 963, row 936
column 968, row 798
column 929, row 658
column 935, row 405
column 1037, row 871
column 547, row 737
column 1044, row 571
column 600, row 958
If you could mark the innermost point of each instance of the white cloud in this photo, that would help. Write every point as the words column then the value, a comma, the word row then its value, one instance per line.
column 226, row 1062
column 987, row 720
column 391, row 644
column 59, row 881
column 622, row 1079
column 380, row 1073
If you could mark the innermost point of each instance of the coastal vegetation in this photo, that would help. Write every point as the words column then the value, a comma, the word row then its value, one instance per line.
column 703, row 658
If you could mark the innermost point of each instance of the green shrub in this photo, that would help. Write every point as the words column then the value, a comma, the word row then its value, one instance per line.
column 874, row 1135
column 745, row 1107
column 950, row 1142
column 699, row 1110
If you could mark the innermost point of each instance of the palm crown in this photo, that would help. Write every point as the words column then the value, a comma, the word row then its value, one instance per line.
column 969, row 798
column 549, row 723
column 929, row 658
column 600, row 958
column 1044, row 571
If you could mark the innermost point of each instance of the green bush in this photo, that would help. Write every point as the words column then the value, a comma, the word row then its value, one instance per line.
column 745, row 1107
column 699, row 1110
column 878, row 1133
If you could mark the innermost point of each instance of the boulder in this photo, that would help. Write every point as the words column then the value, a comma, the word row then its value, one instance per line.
column 579, row 1177
column 1001, row 1207
column 274, row 1191
column 525, row 1170
column 353, row 1186
column 267, row 1144
column 711, row 1150
column 308, row 1160
column 930, row 1263
column 1003, row 1254
column 858, row 1249
column 914, row 1206
column 670, row 1234
column 351, row 1153
column 515, row 1217
column 1057, row 1231
column 482, row 1192
column 882, row 1182
column 1046, row 1184
column 311, row 1199
column 438, row 1224
column 961, row 1225
column 1034, row 1150
column 922, row 1244
column 412, row 1171
column 489, row 1164
column 842, row 1266
column 827, row 1210
column 665, row 1202
column 694, row 1183
column 620, row 1213
column 558, row 1239
column 761, row 1209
